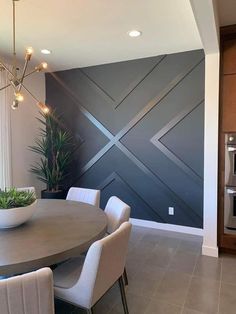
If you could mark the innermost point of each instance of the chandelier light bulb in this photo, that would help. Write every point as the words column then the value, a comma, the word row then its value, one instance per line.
column 28, row 54
column 19, row 97
column 15, row 76
column 15, row 104
column 42, row 66
column 43, row 107
column 29, row 50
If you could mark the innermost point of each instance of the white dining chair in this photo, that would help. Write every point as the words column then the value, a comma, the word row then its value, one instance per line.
column 30, row 293
column 89, row 196
column 83, row 284
column 117, row 212
column 27, row 189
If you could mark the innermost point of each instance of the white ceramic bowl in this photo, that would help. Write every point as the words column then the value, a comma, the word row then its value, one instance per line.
column 13, row 217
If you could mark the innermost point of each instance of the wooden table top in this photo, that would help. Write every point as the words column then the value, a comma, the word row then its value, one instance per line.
column 58, row 230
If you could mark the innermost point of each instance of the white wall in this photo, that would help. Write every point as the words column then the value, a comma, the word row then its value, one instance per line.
column 205, row 13
column 24, row 129
column 211, row 154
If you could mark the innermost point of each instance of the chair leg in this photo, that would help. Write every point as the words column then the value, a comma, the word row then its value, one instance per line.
column 123, row 296
column 90, row 311
column 125, row 277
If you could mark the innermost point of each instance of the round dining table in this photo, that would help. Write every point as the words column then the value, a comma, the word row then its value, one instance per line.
column 58, row 230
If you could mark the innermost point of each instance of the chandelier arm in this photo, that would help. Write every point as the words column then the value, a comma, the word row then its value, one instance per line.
column 8, row 71
column 23, row 76
column 14, row 38
column 19, row 81
column 16, row 82
column 28, row 74
column 40, row 105
column 14, row 28
column 2, row 88
column 29, row 92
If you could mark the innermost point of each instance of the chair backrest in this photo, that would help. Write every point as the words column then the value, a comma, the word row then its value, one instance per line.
column 30, row 293
column 117, row 212
column 89, row 196
column 27, row 189
column 104, row 264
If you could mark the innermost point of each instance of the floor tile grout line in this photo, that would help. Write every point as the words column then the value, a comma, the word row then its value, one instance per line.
column 148, row 251
column 190, row 281
column 174, row 253
column 221, row 266
column 165, row 269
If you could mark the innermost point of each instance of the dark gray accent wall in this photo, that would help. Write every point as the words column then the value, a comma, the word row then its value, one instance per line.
column 138, row 128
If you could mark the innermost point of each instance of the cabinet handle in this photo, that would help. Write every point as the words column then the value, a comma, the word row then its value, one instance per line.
column 231, row 191
column 231, row 149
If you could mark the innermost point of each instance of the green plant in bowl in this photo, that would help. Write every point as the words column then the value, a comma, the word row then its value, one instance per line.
column 12, row 198
column 16, row 207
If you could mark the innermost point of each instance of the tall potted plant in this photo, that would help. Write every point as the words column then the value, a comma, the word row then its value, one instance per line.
column 55, row 148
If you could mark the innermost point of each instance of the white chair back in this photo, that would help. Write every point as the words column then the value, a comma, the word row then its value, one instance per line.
column 103, row 266
column 117, row 212
column 89, row 196
column 30, row 293
column 27, row 189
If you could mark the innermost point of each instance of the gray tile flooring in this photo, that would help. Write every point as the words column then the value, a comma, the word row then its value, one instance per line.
column 168, row 275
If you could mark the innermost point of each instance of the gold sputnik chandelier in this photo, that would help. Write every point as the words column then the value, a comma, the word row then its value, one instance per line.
column 16, row 77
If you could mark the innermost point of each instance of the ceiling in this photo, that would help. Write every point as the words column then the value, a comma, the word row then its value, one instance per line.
column 227, row 12
column 82, row 33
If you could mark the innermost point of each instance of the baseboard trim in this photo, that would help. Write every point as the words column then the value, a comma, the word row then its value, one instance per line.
column 210, row 251
column 167, row 227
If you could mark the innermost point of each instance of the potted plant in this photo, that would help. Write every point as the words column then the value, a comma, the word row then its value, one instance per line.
column 54, row 147
column 16, row 207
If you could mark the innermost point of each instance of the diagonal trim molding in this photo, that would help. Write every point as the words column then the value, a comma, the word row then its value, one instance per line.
column 114, row 176
column 126, row 93
column 148, row 94
column 155, row 140
column 115, row 139
column 162, row 185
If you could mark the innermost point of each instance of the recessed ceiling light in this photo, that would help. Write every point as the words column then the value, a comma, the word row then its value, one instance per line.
column 134, row 33
column 46, row 51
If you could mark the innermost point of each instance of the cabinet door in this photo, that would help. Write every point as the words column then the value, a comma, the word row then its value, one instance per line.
column 229, row 56
column 229, row 103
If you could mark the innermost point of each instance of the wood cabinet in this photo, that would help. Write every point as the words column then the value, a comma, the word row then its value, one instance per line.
column 228, row 81
column 228, row 49
column 227, row 124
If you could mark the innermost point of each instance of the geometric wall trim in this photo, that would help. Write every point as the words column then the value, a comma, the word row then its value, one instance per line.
column 138, row 128
column 115, row 177
column 156, row 140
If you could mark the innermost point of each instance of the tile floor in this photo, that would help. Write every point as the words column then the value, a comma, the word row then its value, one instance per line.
column 167, row 275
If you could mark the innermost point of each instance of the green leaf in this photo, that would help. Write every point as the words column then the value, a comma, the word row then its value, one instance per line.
column 12, row 198
column 54, row 146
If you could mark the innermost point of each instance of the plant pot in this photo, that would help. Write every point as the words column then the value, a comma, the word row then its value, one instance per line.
column 13, row 217
column 61, row 194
